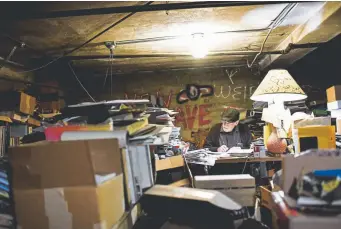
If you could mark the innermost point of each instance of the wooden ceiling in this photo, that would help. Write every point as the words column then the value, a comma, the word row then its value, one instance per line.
column 52, row 29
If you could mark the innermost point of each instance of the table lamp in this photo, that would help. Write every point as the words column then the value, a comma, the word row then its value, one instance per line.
column 277, row 87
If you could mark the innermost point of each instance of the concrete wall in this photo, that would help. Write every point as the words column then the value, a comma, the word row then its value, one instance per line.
column 197, row 116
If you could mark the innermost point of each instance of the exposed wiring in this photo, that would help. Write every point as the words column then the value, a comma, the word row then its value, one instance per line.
column 261, row 49
column 111, row 63
column 86, row 42
column 247, row 158
column 280, row 18
column 80, row 83
column 106, row 74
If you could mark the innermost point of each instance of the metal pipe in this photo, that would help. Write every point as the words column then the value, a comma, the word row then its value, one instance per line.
column 27, row 15
column 223, row 53
column 276, row 22
column 11, row 62
column 226, row 53
column 165, row 38
column 177, row 69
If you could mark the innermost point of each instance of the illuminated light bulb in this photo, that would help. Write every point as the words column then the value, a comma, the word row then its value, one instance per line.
column 198, row 46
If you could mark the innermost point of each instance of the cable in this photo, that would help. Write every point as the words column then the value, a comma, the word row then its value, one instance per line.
column 111, row 63
column 87, row 42
column 276, row 22
column 80, row 83
column 106, row 74
column 247, row 158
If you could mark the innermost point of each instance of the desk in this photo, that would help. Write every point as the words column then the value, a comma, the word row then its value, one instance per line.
column 177, row 161
column 250, row 159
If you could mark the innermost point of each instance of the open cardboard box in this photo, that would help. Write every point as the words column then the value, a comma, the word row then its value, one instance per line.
column 73, row 184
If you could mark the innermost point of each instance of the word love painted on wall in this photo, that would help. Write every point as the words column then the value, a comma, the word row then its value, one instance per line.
column 189, row 114
column 193, row 92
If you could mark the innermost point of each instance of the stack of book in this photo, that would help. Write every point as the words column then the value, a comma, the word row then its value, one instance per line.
column 254, row 119
column 296, row 106
column 6, row 202
column 6, row 208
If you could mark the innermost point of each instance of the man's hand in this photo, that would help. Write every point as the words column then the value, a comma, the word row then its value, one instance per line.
column 223, row 148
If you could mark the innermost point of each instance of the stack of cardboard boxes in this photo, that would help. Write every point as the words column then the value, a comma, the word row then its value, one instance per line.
column 334, row 104
column 68, row 185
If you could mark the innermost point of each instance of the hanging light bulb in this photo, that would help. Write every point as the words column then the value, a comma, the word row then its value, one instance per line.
column 198, row 45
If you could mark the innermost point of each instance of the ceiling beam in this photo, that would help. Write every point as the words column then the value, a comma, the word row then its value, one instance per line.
column 8, row 72
column 27, row 15
column 321, row 27
column 166, row 69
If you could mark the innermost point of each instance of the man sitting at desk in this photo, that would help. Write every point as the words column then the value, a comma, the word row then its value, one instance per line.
column 228, row 133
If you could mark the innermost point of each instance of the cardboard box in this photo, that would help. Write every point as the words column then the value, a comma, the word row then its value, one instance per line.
column 64, row 164
column 81, row 207
column 267, row 202
column 317, row 160
column 266, row 198
column 334, row 93
column 73, row 184
column 240, row 188
column 336, row 105
column 169, row 163
column 325, row 137
column 289, row 218
column 18, row 102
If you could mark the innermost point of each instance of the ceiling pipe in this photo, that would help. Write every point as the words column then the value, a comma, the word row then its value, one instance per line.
column 10, row 62
column 229, row 53
column 289, row 48
column 166, row 38
column 176, row 69
column 27, row 15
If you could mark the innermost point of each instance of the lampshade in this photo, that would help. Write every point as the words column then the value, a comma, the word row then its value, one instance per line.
column 278, row 85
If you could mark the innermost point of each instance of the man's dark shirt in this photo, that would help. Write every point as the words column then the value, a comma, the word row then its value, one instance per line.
column 216, row 137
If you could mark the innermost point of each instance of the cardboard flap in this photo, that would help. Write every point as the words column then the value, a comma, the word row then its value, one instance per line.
column 106, row 156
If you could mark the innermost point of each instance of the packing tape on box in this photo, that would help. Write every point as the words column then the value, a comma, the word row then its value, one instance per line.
column 120, row 135
column 56, row 209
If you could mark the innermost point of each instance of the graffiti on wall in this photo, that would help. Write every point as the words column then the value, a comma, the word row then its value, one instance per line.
column 193, row 92
column 189, row 114
column 157, row 99
column 199, row 105
column 235, row 93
